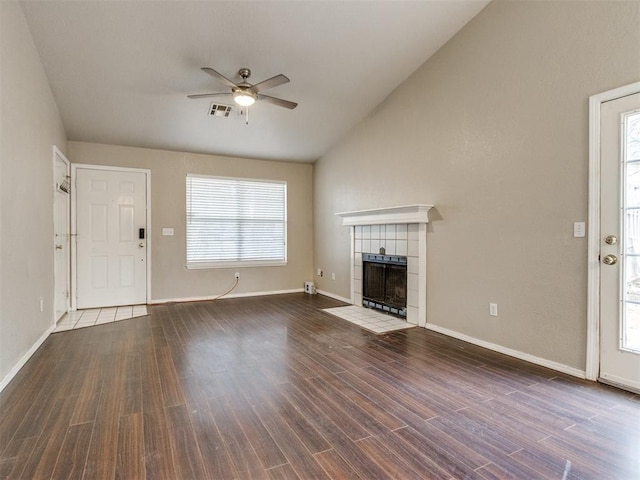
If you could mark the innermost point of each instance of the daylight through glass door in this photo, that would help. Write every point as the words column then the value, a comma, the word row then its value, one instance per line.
column 630, row 325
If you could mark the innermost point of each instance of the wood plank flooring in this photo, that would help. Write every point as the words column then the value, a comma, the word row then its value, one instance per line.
column 274, row 388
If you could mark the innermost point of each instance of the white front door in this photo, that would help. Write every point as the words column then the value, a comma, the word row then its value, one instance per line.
column 61, row 194
column 620, row 242
column 111, row 237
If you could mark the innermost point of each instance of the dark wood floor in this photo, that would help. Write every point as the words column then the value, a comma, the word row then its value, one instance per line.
column 272, row 387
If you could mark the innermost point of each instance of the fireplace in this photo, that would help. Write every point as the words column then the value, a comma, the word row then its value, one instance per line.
column 399, row 231
column 384, row 283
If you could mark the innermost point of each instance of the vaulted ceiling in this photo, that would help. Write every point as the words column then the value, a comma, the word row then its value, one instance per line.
column 120, row 71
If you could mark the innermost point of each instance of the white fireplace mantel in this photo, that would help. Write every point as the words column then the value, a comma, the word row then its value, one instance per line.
column 418, row 213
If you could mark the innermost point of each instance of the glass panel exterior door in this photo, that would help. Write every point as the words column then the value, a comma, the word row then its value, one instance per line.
column 620, row 242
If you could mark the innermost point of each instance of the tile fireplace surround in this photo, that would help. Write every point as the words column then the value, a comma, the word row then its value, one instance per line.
column 401, row 231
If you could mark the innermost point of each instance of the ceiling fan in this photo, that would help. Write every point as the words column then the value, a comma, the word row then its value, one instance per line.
column 246, row 94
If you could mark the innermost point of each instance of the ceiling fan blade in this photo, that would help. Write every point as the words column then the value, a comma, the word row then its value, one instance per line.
column 270, row 83
column 277, row 101
column 218, row 75
column 207, row 95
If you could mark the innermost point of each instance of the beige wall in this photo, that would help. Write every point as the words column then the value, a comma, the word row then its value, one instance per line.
column 170, row 278
column 29, row 127
column 493, row 131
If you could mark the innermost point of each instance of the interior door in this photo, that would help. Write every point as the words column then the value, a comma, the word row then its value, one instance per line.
column 111, row 237
column 61, row 194
column 620, row 243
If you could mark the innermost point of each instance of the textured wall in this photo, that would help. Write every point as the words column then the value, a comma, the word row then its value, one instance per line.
column 29, row 127
column 493, row 131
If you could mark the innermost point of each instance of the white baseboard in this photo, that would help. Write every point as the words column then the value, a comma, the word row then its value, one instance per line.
column 559, row 367
column 158, row 301
column 334, row 296
column 25, row 358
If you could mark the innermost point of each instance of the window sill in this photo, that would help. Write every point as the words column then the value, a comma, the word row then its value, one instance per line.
column 256, row 263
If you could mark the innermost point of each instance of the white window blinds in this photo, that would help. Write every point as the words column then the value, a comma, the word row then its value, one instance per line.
column 235, row 221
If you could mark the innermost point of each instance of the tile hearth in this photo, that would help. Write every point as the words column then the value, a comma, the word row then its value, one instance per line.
column 369, row 319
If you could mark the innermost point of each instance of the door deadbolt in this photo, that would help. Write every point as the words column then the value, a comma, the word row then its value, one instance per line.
column 610, row 259
column 611, row 240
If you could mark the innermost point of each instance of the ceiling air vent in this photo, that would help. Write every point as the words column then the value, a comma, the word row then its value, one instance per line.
column 218, row 110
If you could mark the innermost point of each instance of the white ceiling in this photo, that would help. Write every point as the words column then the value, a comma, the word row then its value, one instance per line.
column 120, row 70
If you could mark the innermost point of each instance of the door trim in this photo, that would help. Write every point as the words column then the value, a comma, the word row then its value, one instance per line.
column 592, row 367
column 57, row 153
column 74, row 231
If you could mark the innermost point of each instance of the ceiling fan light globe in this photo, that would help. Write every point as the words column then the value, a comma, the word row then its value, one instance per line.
column 244, row 99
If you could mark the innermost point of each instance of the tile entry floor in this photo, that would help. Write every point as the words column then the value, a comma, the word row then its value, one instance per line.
column 369, row 319
column 98, row 316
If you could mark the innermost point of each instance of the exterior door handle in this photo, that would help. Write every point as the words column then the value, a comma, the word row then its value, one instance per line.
column 610, row 259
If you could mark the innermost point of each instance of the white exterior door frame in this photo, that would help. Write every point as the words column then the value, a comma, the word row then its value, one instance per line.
column 74, row 265
column 592, row 367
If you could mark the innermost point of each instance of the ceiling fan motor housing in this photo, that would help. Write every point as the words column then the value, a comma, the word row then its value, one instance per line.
column 244, row 73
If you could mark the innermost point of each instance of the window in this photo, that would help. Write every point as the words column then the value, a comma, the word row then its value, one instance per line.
column 235, row 222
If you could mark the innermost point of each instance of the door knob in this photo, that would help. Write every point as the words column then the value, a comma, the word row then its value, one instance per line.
column 58, row 247
column 141, row 244
column 610, row 259
column 611, row 240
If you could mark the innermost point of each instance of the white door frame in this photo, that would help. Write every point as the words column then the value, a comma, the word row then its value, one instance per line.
column 592, row 368
column 57, row 154
column 74, row 231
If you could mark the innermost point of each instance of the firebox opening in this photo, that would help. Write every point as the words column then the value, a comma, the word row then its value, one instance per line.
column 384, row 283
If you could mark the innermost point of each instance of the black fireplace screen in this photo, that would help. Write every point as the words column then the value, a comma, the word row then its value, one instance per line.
column 384, row 283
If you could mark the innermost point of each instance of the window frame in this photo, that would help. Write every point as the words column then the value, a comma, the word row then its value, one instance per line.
column 238, row 263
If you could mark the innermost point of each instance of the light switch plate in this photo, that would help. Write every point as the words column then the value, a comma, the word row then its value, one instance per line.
column 579, row 229
column 167, row 231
